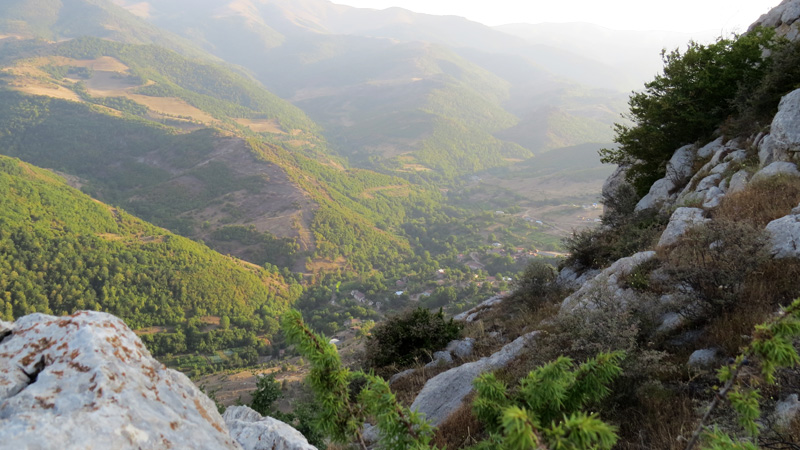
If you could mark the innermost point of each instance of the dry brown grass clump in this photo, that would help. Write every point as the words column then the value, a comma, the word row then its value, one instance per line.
column 761, row 202
column 461, row 429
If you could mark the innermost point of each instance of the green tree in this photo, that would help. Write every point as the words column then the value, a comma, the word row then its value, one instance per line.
column 687, row 102
column 268, row 390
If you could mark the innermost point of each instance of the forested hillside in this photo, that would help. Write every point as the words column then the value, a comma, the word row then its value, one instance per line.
column 63, row 251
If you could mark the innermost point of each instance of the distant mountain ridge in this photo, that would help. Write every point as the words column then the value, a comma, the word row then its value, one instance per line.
column 390, row 87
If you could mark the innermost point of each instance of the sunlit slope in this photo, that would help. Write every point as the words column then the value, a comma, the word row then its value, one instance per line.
column 62, row 251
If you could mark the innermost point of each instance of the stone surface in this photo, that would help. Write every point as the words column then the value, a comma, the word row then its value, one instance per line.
column 91, row 383
column 775, row 169
column 678, row 173
column 681, row 220
column 400, row 375
column 786, row 411
column 474, row 313
column 605, row 281
column 703, row 359
column 713, row 197
column 440, row 359
column 613, row 183
column 784, row 236
column 784, row 135
column 444, row 393
column 670, row 322
column 780, row 17
column 254, row 432
column 461, row 348
column 710, row 149
column 738, row 182
column 571, row 278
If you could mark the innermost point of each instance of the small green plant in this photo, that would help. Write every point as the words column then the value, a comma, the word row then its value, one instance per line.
column 346, row 398
column 545, row 411
column 402, row 339
column 772, row 348
column 268, row 390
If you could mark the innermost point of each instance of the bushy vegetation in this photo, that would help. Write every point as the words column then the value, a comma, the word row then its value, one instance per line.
column 545, row 410
column 62, row 252
column 412, row 336
column 688, row 101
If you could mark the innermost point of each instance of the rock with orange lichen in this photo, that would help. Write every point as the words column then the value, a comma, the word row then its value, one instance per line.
column 86, row 381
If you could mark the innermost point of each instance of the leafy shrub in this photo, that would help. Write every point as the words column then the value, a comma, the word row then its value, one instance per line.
column 687, row 102
column 402, row 339
column 268, row 390
column 758, row 105
column 595, row 248
column 545, row 409
column 715, row 261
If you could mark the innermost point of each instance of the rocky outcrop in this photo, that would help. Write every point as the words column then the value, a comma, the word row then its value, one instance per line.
column 87, row 381
column 613, row 184
column 784, row 235
column 444, row 393
column 704, row 359
column 783, row 18
column 606, row 282
column 255, row 432
column 786, row 412
column 679, row 171
column 681, row 221
column 474, row 313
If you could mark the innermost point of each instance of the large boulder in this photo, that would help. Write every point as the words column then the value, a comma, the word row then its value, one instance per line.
column 679, row 171
column 775, row 169
column 783, row 18
column 681, row 221
column 255, row 432
column 86, row 381
column 443, row 394
column 614, row 183
column 606, row 281
column 783, row 141
column 785, row 235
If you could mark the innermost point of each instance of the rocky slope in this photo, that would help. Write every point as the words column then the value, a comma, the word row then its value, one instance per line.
column 86, row 380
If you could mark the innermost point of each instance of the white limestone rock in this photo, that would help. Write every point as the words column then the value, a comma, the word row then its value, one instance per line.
column 443, row 394
column 710, row 149
column 785, row 235
column 440, row 359
column 679, row 171
column 570, row 278
column 254, row 432
column 784, row 137
column 613, row 183
column 474, row 313
column 682, row 220
column 786, row 411
column 606, row 281
column 91, row 383
column 400, row 375
column 713, row 197
column 777, row 168
column 671, row 322
column 704, row 359
column 738, row 182
column 461, row 348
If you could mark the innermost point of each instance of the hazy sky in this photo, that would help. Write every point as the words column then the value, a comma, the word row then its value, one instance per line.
column 720, row 16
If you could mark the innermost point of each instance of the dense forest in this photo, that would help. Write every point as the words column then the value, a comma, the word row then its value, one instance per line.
column 63, row 251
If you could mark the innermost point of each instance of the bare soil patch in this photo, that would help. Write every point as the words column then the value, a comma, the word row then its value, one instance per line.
column 262, row 125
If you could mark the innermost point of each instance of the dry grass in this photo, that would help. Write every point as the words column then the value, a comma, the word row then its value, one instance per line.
column 762, row 201
column 659, row 424
column 461, row 429
column 262, row 125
